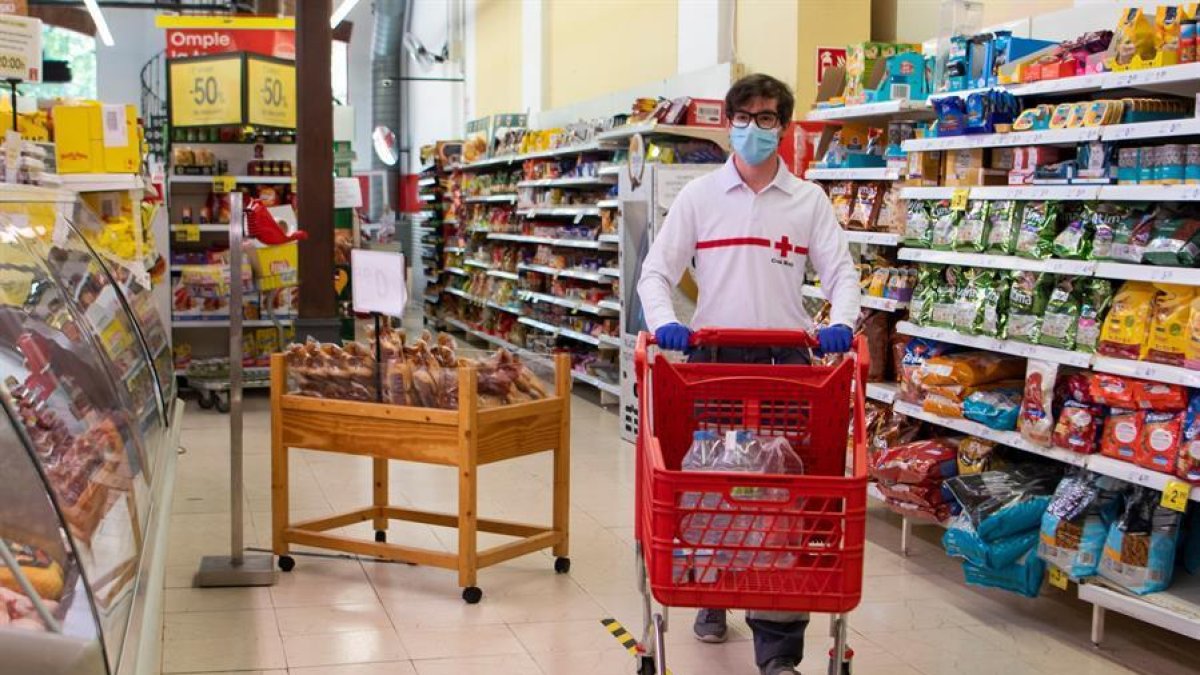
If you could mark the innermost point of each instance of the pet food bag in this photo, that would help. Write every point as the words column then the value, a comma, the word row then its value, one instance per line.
column 1003, row 503
column 918, row 228
column 1023, row 577
column 1139, row 553
column 1036, row 422
column 1127, row 327
column 962, row 541
column 1077, row 521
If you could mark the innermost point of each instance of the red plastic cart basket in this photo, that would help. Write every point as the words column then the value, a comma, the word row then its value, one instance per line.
column 745, row 540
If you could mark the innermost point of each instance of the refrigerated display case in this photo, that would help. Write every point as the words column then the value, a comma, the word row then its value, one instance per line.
column 89, row 431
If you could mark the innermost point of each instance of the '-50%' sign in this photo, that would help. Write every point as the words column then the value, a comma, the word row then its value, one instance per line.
column 270, row 93
column 206, row 91
column 379, row 283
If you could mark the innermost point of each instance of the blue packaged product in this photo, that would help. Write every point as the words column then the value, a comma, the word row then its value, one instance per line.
column 1023, row 577
column 951, row 116
column 1004, row 503
column 1139, row 554
column 961, row 541
column 1076, row 523
column 994, row 408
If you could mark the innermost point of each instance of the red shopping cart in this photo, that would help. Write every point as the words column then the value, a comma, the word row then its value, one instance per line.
column 791, row 543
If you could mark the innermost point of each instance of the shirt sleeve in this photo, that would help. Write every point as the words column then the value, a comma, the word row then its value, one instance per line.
column 668, row 257
column 829, row 251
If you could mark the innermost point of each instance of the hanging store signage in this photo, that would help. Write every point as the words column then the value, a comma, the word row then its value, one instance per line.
column 208, row 35
column 20, row 48
column 206, row 91
column 270, row 92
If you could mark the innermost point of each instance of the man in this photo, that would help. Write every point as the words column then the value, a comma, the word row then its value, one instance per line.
column 750, row 226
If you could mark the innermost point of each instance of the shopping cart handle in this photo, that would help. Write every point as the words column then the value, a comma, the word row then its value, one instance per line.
column 741, row 337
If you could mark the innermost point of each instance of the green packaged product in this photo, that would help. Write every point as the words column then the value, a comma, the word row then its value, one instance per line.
column 1131, row 234
column 967, row 309
column 1039, row 224
column 994, row 299
column 920, row 307
column 1176, row 241
column 1097, row 297
column 973, row 230
column 1061, row 320
column 945, row 225
column 1106, row 219
column 1027, row 298
column 1075, row 240
column 1004, row 223
column 945, row 299
column 918, row 226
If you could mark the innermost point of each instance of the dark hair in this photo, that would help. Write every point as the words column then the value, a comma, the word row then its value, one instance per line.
column 759, row 85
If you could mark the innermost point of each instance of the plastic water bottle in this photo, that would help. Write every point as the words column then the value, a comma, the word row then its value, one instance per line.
column 699, row 457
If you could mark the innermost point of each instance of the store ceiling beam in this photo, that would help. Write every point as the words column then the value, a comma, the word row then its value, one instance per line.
column 314, row 157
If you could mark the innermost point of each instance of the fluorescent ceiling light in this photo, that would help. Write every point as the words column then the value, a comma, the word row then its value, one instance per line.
column 101, row 25
column 340, row 13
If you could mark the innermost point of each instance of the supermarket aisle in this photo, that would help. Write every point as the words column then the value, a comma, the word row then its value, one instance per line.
column 351, row 617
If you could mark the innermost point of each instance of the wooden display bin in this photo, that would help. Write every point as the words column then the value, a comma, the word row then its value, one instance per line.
column 465, row 438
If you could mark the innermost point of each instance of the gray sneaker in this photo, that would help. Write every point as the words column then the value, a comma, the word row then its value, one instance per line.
column 780, row 666
column 710, row 626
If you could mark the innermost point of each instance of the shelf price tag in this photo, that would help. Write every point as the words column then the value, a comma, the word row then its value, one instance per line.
column 1175, row 495
column 958, row 200
column 1059, row 579
column 224, row 184
column 187, row 233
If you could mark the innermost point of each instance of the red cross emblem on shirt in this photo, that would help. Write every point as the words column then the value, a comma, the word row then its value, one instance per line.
column 785, row 247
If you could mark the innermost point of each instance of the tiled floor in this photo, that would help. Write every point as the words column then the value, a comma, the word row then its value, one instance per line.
column 335, row 616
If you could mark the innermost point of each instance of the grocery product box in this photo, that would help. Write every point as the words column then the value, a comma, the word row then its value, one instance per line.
column 973, row 177
column 861, row 59
column 705, row 112
column 94, row 138
column 924, row 168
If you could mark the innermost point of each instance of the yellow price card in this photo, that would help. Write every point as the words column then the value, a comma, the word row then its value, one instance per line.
column 1059, row 579
column 958, row 200
column 270, row 92
column 1175, row 495
column 206, row 91
column 187, row 233
column 224, row 184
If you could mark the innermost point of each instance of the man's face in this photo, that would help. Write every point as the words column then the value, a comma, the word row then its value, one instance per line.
column 762, row 112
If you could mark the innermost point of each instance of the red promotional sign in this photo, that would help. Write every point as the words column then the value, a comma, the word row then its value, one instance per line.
column 205, row 41
column 829, row 57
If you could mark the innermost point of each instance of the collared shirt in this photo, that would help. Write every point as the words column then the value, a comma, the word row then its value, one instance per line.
column 750, row 252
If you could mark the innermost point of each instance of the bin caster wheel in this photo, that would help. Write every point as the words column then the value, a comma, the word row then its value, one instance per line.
column 472, row 595
column 205, row 401
column 380, row 536
column 562, row 565
column 646, row 666
column 287, row 563
column 222, row 401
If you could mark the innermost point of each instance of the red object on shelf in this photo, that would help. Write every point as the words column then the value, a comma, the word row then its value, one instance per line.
column 777, row 542
column 798, row 145
column 261, row 225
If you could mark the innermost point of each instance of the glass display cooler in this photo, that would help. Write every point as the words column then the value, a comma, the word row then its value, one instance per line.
column 88, row 453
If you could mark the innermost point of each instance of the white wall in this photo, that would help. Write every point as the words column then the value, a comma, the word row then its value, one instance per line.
column 119, row 68
column 360, row 86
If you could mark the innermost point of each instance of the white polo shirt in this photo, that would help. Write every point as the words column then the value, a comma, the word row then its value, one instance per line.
column 750, row 252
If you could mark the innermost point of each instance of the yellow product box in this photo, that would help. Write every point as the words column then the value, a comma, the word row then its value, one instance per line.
column 94, row 138
column 924, row 168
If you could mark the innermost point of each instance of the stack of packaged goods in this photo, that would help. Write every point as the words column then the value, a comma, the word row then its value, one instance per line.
column 911, row 478
column 983, row 387
column 997, row 533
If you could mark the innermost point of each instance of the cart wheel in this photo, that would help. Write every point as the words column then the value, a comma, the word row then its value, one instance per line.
column 472, row 595
column 222, row 399
column 205, row 402
column 562, row 565
column 646, row 666
column 380, row 536
column 287, row 563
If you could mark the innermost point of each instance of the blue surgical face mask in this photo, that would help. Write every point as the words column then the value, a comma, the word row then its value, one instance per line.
column 754, row 145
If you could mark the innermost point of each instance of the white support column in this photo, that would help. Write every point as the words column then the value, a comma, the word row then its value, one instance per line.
column 470, row 58
column 532, row 25
column 705, row 34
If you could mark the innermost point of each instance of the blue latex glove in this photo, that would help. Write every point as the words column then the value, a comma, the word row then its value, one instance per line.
column 835, row 339
column 673, row 336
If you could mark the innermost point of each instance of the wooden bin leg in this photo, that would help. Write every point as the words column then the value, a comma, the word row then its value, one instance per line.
column 468, row 480
column 380, row 470
column 562, row 457
column 279, row 458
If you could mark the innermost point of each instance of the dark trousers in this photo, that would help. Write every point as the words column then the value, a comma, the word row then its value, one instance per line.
column 776, row 634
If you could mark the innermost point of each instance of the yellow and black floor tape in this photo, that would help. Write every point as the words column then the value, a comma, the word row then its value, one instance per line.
column 622, row 636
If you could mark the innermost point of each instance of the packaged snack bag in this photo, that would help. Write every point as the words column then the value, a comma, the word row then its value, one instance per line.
column 994, row 289
column 1027, row 298
column 918, row 228
column 1078, row 427
column 1175, row 241
column 994, row 408
column 1123, row 435
column 917, row 351
column 1134, row 37
column 974, row 455
column 973, row 230
column 1113, row 391
column 892, row 213
column 1127, row 326
column 1004, row 223
column 920, row 307
column 1097, row 297
column 1075, row 240
column 1139, row 553
column 866, row 206
column 1159, row 396
column 841, row 195
column 1105, row 219
column 945, row 226
column 970, row 369
column 1161, row 438
column 917, row 462
column 945, row 300
column 1061, row 319
column 1036, row 423
column 1076, row 522
column 1039, row 224
column 967, row 308
column 1168, row 331
column 1188, row 465
column 1131, row 234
